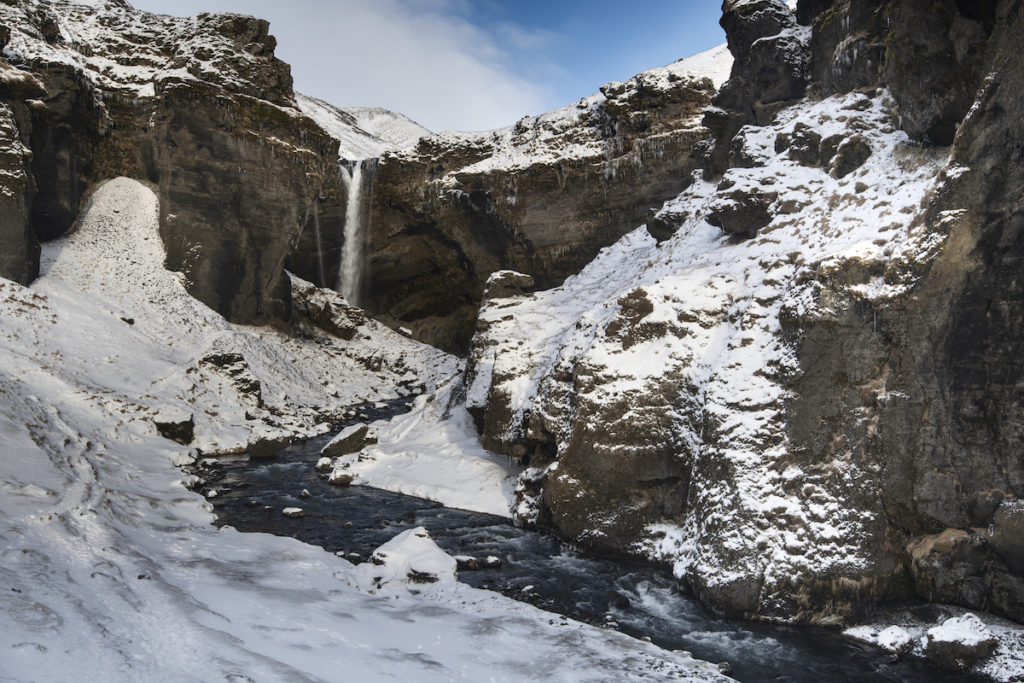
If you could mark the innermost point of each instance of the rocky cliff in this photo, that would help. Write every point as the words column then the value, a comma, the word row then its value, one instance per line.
column 806, row 400
column 199, row 107
column 541, row 197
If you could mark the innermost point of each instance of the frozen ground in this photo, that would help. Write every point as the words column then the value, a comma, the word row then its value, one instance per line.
column 434, row 452
column 110, row 567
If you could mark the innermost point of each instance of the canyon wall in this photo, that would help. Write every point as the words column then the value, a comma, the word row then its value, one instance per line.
column 542, row 197
column 806, row 400
column 199, row 107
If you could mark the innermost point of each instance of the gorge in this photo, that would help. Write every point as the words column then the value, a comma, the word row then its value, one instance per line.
column 752, row 317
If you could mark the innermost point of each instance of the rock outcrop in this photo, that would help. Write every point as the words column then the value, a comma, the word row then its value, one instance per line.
column 542, row 198
column 806, row 398
column 200, row 107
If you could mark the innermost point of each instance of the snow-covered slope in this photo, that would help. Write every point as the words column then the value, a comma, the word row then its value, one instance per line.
column 363, row 132
column 671, row 361
column 111, row 569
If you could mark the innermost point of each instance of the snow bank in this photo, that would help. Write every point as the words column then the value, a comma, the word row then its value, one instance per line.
column 908, row 634
column 111, row 569
column 434, row 452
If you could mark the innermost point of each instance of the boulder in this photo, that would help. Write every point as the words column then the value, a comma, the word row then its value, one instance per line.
column 409, row 559
column 742, row 212
column 959, row 642
column 349, row 440
column 267, row 443
column 506, row 283
column 850, row 155
column 176, row 426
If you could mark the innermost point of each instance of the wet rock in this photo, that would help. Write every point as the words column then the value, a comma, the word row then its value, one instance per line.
column 341, row 478
column 349, row 440
column 324, row 465
column 850, row 155
column 179, row 428
column 262, row 447
column 959, row 642
column 472, row 564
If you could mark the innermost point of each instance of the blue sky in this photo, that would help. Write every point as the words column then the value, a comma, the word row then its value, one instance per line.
column 470, row 64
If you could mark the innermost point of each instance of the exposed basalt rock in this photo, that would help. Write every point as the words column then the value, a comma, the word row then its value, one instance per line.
column 177, row 428
column 850, row 155
column 540, row 198
column 661, row 224
column 769, row 72
column 233, row 366
column 741, row 212
column 506, row 283
column 929, row 54
column 325, row 310
column 19, row 256
column 200, row 107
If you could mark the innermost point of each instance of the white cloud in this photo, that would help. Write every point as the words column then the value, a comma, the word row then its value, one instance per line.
column 419, row 57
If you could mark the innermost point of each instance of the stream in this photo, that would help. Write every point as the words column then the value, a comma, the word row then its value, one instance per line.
column 628, row 595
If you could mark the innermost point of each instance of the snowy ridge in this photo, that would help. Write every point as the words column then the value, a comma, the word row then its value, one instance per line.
column 363, row 132
column 572, row 132
column 112, row 570
column 145, row 49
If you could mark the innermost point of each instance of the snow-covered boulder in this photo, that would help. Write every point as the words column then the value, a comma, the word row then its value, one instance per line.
column 409, row 559
column 959, row 642
column 349, row 440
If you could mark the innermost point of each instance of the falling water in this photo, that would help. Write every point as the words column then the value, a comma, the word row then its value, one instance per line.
column 353, row 251
column 319, row 243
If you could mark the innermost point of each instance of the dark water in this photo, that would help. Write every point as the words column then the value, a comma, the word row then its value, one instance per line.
column 630, row 596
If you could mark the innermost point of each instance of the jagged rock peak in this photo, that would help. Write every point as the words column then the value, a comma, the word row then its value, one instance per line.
column 127, row 51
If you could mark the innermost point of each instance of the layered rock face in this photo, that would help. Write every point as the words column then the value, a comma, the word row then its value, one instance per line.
column 200, row 107
column 804, row 396
column 541, row 197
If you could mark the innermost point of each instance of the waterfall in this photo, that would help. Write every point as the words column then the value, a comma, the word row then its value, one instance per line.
column 353, row 251
column 319, row 244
